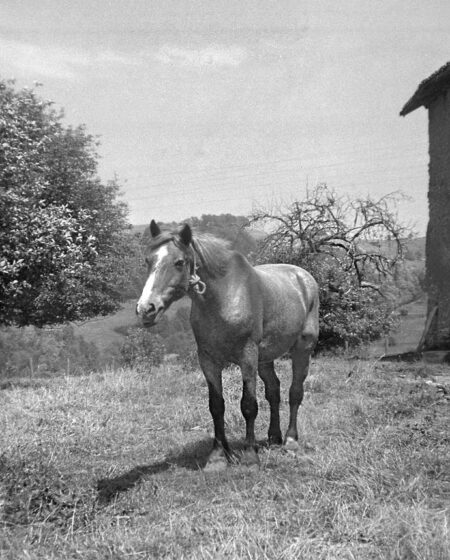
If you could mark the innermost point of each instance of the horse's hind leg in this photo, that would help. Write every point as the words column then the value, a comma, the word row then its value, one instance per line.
column 218, row 458
column 272, row 392
column 301, row 353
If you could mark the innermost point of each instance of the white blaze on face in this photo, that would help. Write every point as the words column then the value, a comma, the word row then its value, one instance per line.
column 148, row 288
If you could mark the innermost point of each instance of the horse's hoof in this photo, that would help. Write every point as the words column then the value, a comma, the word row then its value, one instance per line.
column 291, row 445
column 275, row 440
column 217, row 462
column 250, row 459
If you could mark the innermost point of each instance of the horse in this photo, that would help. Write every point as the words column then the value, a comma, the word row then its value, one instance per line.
column 241, row 314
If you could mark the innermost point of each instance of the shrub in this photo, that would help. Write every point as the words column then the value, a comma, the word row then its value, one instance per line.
column 142, row 349
column 349, row 314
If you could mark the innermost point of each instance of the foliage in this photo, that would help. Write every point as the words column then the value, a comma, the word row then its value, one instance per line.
column 63, row 233
column 351, row 246
column 349, row 314
column 32, row 351
column 142, row 349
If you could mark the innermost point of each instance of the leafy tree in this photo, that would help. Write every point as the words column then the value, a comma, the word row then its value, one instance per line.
column 63, row 233
column 352, row 248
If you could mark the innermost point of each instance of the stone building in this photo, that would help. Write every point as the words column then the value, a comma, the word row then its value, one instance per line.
column 434, row 94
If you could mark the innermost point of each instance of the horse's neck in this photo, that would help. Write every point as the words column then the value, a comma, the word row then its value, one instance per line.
column 214, row 286
column 219, row 286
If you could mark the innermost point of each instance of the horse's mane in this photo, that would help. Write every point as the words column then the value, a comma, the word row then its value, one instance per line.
column 214, row 253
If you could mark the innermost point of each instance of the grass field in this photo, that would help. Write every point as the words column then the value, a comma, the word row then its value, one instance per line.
column 107, row 466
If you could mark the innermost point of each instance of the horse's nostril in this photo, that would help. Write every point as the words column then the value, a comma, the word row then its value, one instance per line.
column 145, row 309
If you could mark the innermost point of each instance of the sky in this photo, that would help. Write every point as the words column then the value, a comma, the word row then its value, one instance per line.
column 223, row 106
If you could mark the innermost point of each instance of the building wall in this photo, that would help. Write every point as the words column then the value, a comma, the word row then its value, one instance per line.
column 438, row 233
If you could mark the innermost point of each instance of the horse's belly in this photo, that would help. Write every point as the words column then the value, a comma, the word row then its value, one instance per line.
column 282, row 328
column 272, row 347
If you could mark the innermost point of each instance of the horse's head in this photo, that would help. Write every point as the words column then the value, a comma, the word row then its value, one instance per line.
column 169, row 268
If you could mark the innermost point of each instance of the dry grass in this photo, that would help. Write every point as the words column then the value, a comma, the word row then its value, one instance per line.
column 107, row 467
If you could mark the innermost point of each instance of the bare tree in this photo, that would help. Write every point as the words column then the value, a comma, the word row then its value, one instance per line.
column 353, row 247
column 363, row 236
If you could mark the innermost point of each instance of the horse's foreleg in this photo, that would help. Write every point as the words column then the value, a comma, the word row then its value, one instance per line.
column 272, row 392
column 249, row 405
column 218, row 458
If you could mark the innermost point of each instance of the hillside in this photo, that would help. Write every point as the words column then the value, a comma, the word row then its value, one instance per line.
column 109, row 331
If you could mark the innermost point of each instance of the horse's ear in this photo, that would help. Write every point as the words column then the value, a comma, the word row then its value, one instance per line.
column 154, row 229
column 186, row 235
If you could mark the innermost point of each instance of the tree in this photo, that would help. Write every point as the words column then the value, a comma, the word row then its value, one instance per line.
column 351, row 247
column 63, row 234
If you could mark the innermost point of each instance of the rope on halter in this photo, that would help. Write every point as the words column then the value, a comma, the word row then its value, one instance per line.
column 195, row 282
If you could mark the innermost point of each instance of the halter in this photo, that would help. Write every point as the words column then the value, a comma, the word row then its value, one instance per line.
column 195, row 282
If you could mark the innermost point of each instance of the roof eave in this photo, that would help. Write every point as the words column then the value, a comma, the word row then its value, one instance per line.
column 414, row 104
column 429, row 89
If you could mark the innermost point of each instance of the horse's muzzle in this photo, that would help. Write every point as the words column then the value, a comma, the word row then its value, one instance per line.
column 150, row 315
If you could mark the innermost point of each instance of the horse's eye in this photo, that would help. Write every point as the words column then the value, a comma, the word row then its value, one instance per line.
column 179, row 263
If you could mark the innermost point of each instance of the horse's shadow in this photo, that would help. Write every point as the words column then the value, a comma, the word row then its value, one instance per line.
column 192, row 457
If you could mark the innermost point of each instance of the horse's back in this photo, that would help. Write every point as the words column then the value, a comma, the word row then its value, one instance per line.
column 288, row 281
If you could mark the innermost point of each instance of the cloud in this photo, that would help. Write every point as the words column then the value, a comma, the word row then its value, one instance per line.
column 56, row 62
column 210, row 56
column 117, row 59
column 69, row 63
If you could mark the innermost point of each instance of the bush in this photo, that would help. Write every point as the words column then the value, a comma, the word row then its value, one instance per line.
column 142, row 349
column 349, row 314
